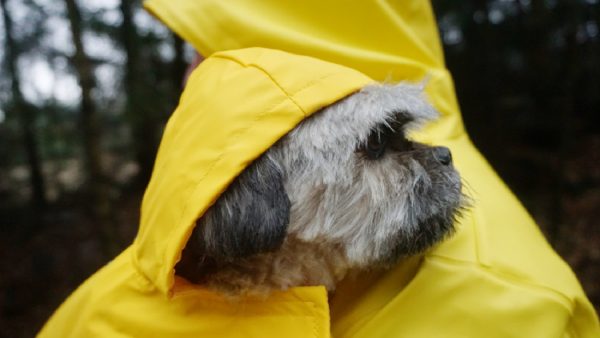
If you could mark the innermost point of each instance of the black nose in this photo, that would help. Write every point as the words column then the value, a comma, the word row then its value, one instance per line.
column 443, row 155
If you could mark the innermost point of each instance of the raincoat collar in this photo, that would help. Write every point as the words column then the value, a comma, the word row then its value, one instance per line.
column 236, row 104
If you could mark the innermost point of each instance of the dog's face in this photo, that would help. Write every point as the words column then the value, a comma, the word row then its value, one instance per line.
column 346, row 177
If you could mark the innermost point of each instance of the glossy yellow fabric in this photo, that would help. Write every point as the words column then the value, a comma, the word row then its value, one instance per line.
column 497, row 277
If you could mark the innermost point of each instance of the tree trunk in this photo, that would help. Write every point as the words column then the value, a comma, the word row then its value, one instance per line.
column 96, row 182
column 567, row 118
column 179, row 65
column 141, row 122
column 25, row 111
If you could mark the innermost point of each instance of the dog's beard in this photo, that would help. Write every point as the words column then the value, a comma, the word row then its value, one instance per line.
column 436, row 201
column 390, row 208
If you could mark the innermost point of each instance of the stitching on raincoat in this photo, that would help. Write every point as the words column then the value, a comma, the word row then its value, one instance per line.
column 314, row 321
column 266, row 73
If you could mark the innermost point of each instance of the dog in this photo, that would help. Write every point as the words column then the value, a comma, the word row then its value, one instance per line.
column 345, row 190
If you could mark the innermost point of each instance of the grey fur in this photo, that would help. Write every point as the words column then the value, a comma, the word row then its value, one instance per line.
column 250, row 217
column 367, row 209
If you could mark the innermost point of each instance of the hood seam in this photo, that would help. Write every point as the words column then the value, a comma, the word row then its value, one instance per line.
column 268, row 75
column 276, row 83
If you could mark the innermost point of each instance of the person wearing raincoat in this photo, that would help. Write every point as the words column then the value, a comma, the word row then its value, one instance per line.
column 496, row 277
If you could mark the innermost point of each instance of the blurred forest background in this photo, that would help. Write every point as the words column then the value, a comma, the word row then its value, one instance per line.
column 87, row 86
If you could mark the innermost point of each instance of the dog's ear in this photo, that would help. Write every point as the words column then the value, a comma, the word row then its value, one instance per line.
column 250, row 217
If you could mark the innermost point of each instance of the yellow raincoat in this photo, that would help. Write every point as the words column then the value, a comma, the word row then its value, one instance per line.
column 497, row 277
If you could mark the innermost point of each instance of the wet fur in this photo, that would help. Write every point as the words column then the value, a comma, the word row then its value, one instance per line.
column 316, row 205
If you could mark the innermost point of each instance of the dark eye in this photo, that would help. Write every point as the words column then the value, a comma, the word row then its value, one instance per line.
column 401, row 144
column 376, row 144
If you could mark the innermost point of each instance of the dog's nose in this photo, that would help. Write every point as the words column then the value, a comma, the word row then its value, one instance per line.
column 443, row 155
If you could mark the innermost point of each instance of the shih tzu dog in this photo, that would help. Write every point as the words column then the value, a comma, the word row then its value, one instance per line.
column 343, row 191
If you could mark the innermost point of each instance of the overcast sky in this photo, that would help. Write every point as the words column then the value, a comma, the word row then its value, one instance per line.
column 44, row 79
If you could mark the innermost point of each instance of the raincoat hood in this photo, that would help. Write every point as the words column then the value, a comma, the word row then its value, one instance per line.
column 235, row 106
column 269, row 65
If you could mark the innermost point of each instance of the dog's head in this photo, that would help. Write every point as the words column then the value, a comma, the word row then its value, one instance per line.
column 346, row 177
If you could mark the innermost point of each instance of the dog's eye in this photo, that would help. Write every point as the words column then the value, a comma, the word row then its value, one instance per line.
column 376, row 144
column 400, row 143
